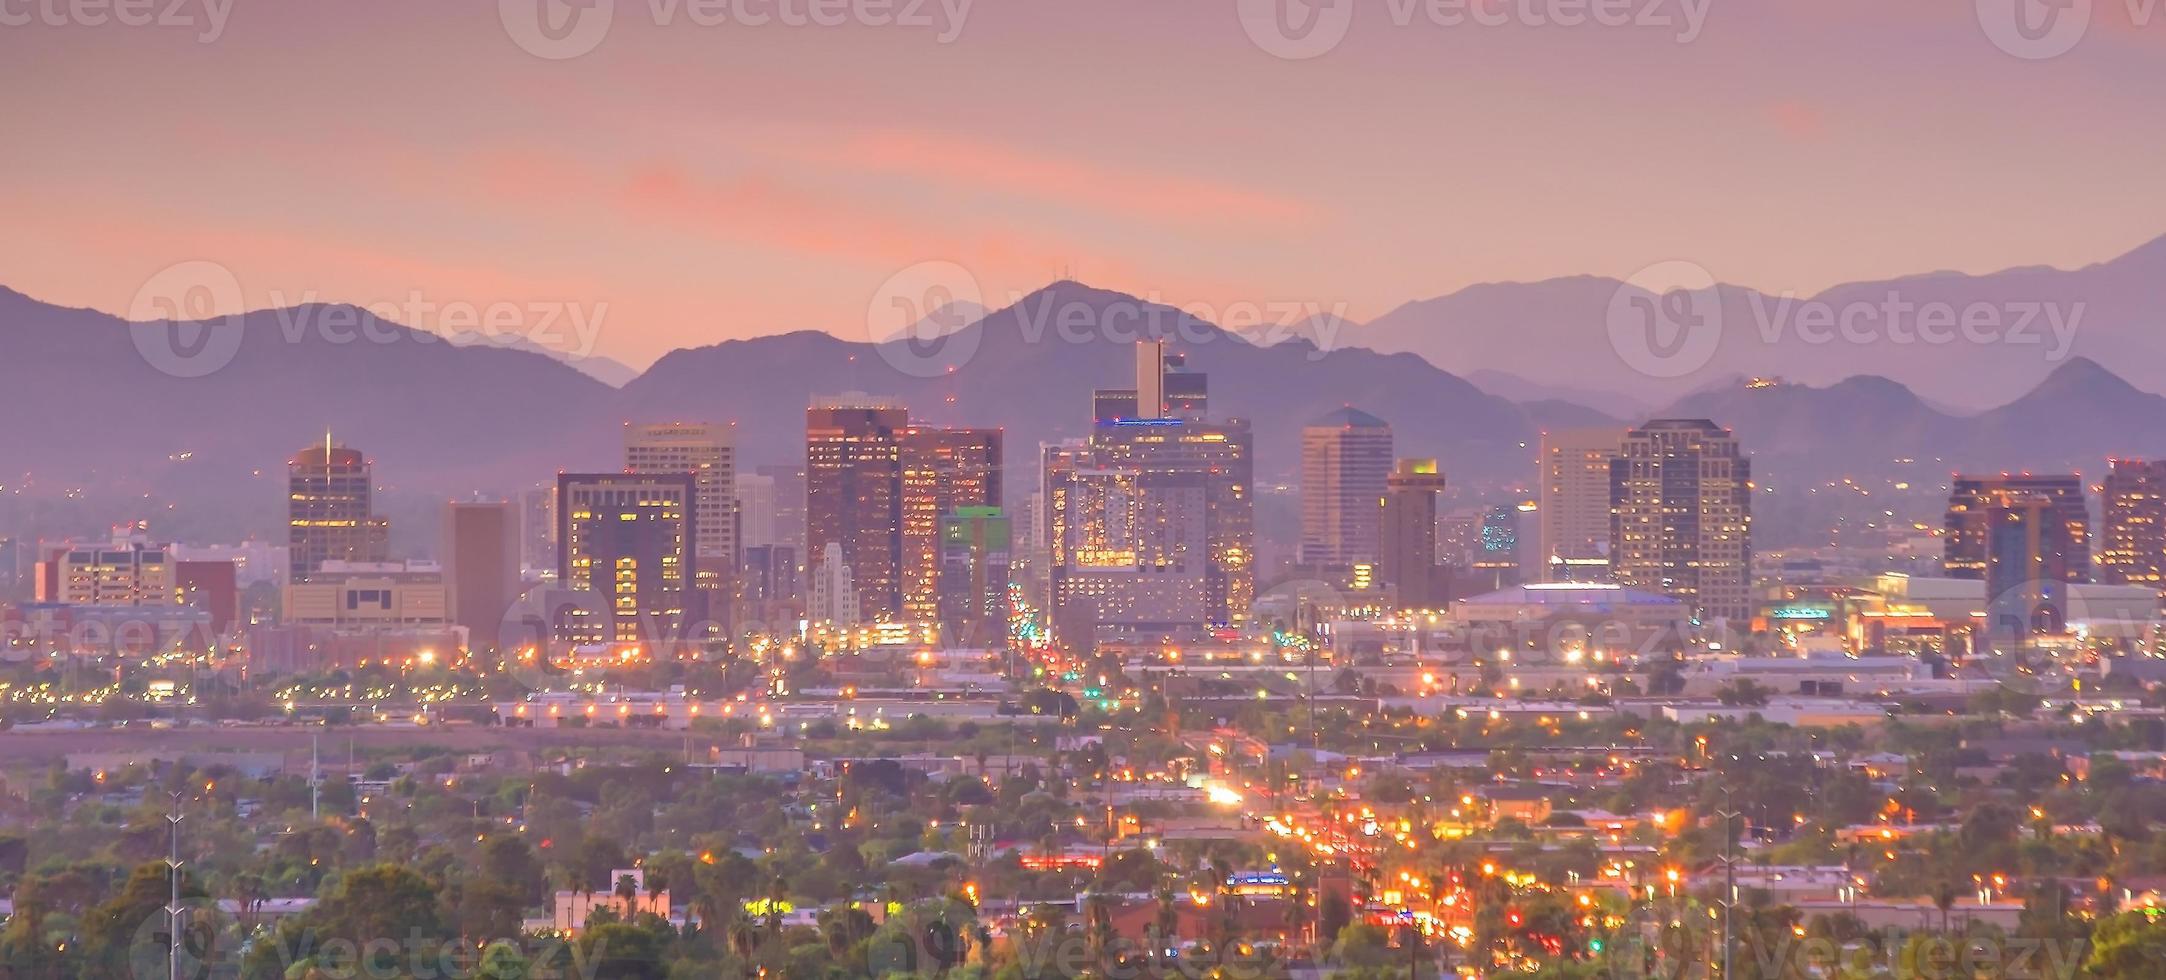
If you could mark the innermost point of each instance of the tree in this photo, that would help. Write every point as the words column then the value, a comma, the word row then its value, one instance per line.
column 1363, row 945
column 2126, row 947
column 1743, row 693
column 378, row 911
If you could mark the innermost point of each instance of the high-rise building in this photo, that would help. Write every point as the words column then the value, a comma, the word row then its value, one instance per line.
column 1499, row 545
column 1681, row 516
column 330, row 508
column 879, row 487
column 1216, row 456
column 974, row 558
column 755, row 511
column 538, row 515
column 480, row 553
column 2132, row 538
column 834, row 600
column 943, row 472
column 1165, row 389
column 2030, row 561
column 1572, row 520
column 789, row 502
column 1345, row 460
column 854, row 499
column 707, row 451
column 1120, row 510
column 1408, row 517
column 626, row 548
column 1128, row 550
column 1970, row 498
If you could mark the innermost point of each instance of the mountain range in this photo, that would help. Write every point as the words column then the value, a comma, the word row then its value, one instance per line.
column 94, row 414
column 1556, row 333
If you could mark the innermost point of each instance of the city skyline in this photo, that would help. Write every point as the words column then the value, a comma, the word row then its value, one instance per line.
column 1247, row 489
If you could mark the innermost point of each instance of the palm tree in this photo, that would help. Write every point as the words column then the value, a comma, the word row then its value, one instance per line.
column 1101, row 928
column 1944, row 896
column 1169, row 916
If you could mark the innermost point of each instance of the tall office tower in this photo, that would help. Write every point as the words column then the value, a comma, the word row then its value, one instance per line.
column 330, row 510
column 770, row 576
column 1572, row 536
column 538, row 516
column 1345, row 460
column 1164, row 389
column 707, row 451
column 834, row 599
column 480, row 555
column 789, row 502
column 1970, row 497
column 627, row 542
column 854, row 497
column 2030, row 559
column 1216, row 456
column 755, row 511
column 1498, row 545
column 1170, row 454
column 1681, row 516
column 1151, row 379
column 2132, row 539
column 975, row 549
column 1408, row 520
column 1128, row 551
column 943, row 471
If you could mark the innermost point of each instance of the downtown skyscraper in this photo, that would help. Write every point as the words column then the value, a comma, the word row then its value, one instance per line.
column 1681, row 517
column 2132, row 536
column 625, row 544
column 1572, row 513
column 331, row 511
column 1150, row 521
column 1971, row 500
column 706, row 451
column 1409, row 563
column 1345, row 460
column 878, row 488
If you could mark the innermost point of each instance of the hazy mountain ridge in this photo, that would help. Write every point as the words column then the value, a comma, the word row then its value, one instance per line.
column 1555, row 332
column 446, row 419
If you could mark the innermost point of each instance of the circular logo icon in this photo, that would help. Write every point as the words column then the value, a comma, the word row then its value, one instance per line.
column 1296, row 30
column 184, row 944
column 557, row 29
column 532, row 628
column 186, row 320
column 923, row 320
column 2035, row 30
column 1666, row 321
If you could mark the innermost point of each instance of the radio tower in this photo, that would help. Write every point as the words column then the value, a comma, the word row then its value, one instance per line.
column 173, row 909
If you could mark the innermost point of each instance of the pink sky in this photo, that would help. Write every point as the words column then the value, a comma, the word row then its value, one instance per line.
column 701, row 183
